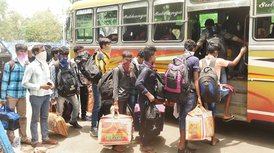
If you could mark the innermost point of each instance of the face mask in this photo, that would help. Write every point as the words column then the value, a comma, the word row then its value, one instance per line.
column 22, row 58
column 64, row 63
column 42, row 57
column 126, row 67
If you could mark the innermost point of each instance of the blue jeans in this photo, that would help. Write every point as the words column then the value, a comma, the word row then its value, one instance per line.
column 75, row 103
column 132, row 101
column 40, row 110
column 212, row 106
column 185, row 107
column 96, row 106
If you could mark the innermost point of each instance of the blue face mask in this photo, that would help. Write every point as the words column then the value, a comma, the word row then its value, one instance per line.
column 64, row 63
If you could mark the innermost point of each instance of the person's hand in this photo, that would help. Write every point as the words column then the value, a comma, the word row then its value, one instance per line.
column 3, row 103
column 243, row 49
column 199, row 101
column 45, row 86
column 131, row 67
column 116, row 106
column 151, row 98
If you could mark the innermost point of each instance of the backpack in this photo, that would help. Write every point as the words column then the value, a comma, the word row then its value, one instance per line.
column 89, row 68
column 105, row 85
column 154, row 122
column 208, row 82
column 176, row 81
column 12, row 66
column 67, row 83
column 160, row 92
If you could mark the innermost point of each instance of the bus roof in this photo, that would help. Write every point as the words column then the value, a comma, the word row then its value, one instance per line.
column 93, row 3
column 200, row 6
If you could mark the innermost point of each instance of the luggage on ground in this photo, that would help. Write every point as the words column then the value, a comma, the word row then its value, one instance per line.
column 208, row 82
column 199, row 124
column 9, row 119
column 115, row 130
column 57, row 124
column 176, row 80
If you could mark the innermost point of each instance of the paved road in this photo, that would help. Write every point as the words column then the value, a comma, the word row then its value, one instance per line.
column 236, row 137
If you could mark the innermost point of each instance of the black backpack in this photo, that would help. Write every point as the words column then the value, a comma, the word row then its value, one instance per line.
column 208, row 82
column 154, row 122
column 67, row 83
column 105, row 84
column 88, row 68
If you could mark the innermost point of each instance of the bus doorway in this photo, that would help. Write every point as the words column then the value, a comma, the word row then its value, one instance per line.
column 231, row 24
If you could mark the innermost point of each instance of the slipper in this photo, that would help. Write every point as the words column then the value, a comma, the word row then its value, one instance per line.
column 119, row 148
column 216, row 141
column 26, row 141
column 232, row 117
column 184, row 151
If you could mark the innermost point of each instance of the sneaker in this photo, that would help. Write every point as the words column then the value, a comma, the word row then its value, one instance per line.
column 93, row 132
column 76, row 125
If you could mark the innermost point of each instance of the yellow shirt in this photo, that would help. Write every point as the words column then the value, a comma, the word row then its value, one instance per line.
column 102, row 60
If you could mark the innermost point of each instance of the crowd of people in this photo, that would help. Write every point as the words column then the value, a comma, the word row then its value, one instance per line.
column 134, row 81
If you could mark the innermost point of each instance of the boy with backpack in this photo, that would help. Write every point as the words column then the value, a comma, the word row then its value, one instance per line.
column 12, row 92
column 189, row 88
column 146, row 83
column 123, row 75
column 67, row 85
column 102, row 60
column 210, row 67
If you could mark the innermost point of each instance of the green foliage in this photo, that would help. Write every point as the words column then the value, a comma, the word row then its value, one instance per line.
column 204, row 17
column 42, row 27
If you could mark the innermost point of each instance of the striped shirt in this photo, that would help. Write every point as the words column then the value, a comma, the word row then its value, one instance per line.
column 12, row 81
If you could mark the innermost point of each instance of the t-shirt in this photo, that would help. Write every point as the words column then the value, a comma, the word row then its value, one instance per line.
column 193, row 66
column 218, row 65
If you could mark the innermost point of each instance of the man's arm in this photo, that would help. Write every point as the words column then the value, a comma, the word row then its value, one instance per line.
column 140, row 85
column 197, row 88
column 238, row 58
column 115, row 84
column 5, row 82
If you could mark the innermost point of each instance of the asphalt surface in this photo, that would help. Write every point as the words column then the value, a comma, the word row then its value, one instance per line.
column 235, row 137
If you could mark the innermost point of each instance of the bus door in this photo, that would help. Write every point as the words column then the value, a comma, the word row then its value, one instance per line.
column 261, row 62
column 232, row 23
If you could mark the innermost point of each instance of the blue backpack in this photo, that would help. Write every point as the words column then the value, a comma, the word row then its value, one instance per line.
column 9, row 119
column 208, row 82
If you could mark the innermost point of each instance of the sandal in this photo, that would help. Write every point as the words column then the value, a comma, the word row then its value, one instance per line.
column 119, row 148
column 147, row 149
column 232, row 117
column 27, row 141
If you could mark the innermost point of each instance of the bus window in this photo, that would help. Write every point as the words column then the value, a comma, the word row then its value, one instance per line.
column 134, row 21
column 107, row 22
column 168, row 20
column 84, row 24
column 264, row 28
column 204, row 17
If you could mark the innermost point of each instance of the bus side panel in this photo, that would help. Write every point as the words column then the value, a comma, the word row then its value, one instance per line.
column 163, row 57
column 261, row 86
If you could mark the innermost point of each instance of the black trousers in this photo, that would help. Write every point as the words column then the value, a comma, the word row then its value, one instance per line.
column 84, row 100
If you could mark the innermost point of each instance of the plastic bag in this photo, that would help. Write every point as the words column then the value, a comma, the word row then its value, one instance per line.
column 199, row 124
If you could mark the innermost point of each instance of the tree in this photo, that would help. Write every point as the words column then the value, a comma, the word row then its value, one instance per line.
column 43, row 27
column 12, row 26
